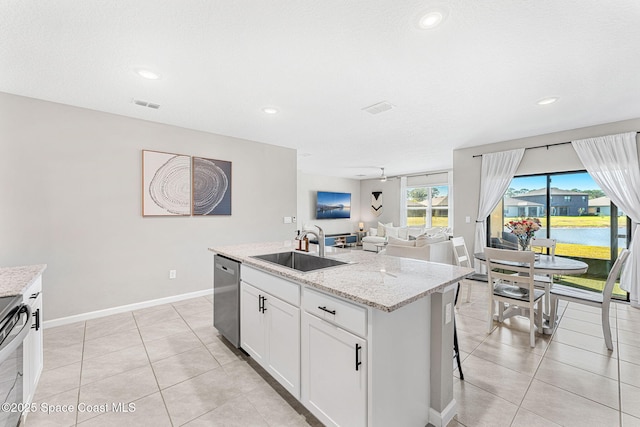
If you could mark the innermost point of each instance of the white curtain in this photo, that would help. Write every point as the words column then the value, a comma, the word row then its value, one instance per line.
column 403, row 201
column 498, row 170
column 612, row 161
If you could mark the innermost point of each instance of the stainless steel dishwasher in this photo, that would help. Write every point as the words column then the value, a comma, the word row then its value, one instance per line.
column 226, row 298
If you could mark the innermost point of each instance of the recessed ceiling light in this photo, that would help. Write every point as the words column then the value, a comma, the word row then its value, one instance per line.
column 147, row 74
column 431, row 19
column 270, row 110
column 548, row 100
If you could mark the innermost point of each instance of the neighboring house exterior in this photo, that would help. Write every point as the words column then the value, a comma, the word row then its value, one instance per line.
column 563, row 202
column 439, row 207
column 514, row 207
column 600, row 206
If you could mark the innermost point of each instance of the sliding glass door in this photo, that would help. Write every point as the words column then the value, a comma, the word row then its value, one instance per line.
column 573, row 210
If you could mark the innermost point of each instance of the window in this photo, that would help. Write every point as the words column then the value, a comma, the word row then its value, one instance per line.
column 428, row 206
column 573, row 210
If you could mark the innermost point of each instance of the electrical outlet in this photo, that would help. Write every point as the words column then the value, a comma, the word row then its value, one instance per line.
column 293, row 219
column 172, row 274
column 447, row 315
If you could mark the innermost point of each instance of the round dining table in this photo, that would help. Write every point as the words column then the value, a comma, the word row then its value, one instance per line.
column 547, row 264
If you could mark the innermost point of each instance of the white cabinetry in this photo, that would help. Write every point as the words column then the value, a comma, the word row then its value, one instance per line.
column 351, row 365
column 334, row 373
column 32, row 344
column 270, row 325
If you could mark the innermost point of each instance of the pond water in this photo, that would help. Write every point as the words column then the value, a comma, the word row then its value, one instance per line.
column 588, row 236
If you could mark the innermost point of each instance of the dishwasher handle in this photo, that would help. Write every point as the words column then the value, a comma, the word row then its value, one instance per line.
column 7, row 349
column 225, row 269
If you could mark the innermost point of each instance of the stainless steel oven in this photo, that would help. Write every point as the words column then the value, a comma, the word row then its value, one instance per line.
column 14, row 327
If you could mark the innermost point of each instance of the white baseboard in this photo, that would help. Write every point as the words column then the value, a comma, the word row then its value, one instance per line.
column 123, row 308
column 441, row 419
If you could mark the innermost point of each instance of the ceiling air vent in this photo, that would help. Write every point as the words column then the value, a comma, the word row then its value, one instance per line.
column 145, row 104
column 380, row 107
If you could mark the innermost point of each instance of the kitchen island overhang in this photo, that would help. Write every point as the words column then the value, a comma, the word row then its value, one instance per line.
column 409, row 305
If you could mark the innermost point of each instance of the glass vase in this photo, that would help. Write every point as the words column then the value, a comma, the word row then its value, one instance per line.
column 524, row 242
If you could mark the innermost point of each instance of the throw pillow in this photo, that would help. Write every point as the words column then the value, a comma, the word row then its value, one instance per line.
column 421, row 241
column 425, row 239
column 400, row 242
column 391, row 231
column 403, row 233
column 381, row 227
column 415, row 231
column 433, row 230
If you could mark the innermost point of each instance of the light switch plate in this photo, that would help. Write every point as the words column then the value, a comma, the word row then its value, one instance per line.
column 287, row 220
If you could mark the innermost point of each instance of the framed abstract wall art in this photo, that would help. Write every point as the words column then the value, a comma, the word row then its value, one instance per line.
column 166, row 184
column 211, row 187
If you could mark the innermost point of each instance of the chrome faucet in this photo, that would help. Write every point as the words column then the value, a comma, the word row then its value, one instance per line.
column 319, row 236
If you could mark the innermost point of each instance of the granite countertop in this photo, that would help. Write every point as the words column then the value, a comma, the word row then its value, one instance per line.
column 14, row 280
column 376, row 280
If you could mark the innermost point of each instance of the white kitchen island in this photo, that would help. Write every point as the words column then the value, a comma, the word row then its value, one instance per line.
column 364, row 344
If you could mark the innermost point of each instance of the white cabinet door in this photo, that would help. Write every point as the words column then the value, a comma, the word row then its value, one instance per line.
column 334, row 373
column 283, row 331
column 32, row 361
column 270, row 333
column 253, row 323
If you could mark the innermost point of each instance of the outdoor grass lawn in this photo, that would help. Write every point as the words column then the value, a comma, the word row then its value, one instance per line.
column 436, row 221
column 589, row 283
column 583, row 251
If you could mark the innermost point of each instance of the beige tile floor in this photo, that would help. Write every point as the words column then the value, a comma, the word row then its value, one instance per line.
column 169, row 362
column 568, row 379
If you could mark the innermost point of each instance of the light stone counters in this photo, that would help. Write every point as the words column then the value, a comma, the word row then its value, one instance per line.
column 14, row 280
column 376, row 280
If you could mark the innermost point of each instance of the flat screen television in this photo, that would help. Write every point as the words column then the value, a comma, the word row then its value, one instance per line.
column 331, row 205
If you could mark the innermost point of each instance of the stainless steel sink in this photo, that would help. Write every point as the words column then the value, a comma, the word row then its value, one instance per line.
column 300, row 261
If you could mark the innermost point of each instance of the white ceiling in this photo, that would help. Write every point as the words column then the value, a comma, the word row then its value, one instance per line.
column 473, row 80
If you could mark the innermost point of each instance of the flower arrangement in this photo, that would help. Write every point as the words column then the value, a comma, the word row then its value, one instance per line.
column 524, row 230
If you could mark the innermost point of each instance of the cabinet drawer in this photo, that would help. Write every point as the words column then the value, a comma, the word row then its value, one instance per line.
column 281, row 288
column 342, row 313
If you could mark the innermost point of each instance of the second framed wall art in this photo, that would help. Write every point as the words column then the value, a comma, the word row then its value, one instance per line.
column 211, row 187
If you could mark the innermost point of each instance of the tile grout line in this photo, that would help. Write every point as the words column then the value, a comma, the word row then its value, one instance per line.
column 152, row 370
column 84, row 335
column 576, row 394
column 222, row 367
column 533, row 377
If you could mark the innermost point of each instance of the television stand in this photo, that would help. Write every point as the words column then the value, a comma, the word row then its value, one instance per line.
column 339, row 239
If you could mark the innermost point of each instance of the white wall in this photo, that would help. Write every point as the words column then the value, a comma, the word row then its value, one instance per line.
column 466, row 168
column 70, row 192
column 309, row 185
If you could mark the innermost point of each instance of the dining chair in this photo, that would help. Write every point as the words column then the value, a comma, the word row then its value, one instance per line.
column 544, row 281
column 594, row 299
column 461, row 258
column 517, row 290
